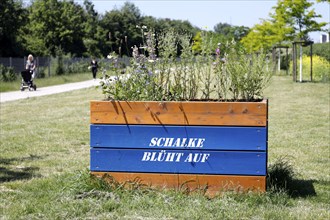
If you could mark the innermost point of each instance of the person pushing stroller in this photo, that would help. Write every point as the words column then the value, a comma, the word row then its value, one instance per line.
column 28, row 74
column 30, row 66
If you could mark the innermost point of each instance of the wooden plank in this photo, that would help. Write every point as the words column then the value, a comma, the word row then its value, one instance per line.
column 178, row 137
column 179, row 113
column 213, row 184
column 178, row 161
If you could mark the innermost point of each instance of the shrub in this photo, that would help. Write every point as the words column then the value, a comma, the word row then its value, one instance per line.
column 320, row 68
column 237, row 76
column 321, row 49
column 280, row 175
column 79, row 66
column 7, row 74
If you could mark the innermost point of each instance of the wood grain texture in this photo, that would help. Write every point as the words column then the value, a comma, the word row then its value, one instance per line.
column 212, row 184
column 179, row 113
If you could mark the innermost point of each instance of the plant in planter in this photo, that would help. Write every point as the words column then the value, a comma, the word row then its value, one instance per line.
column 195, row 121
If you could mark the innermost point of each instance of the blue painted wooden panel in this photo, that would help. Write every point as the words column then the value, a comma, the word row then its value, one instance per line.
column 179, row 137
column 178, row 161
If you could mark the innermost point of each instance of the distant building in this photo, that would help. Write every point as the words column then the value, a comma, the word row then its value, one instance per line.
column 324, row 38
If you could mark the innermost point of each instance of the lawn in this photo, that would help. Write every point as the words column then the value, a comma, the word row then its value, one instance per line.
column 45, row 158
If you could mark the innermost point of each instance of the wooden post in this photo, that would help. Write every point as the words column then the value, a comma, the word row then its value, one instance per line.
column 279, row 60
column 294, row 62
column 287, row 62
column 274, row 59
column 300, row 63
column 48, row 66
column 311, row 54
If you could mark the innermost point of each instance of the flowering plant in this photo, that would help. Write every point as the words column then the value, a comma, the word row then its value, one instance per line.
column 203, row 76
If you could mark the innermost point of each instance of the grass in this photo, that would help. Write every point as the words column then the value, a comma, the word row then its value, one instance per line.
column 45, row 158
column 48, row 81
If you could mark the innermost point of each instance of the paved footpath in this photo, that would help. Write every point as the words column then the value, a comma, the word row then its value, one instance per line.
column 16, row 95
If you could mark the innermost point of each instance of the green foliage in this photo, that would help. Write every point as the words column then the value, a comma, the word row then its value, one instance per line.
column 280, row 175
column 192, row 77
column 65, row 64
column 291, row 20
column 42, row 26
column 94, row 35
column 7, row 74
column 230, row 32
column 261, row 36
column 248, row 74
column 320, row 49
column 321, row 69
column 59, row 62
column 53, row 24
column 301, row 18
column 12, row 17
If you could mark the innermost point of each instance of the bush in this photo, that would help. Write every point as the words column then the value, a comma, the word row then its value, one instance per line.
column 59, row 61
column 320, row 68
column 75, row 66
column 280, row 175
column 7, row 74
column 42, row 71
column 237, row 76
column 321, row 49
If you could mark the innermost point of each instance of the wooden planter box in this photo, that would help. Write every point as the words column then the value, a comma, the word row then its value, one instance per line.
column 213, row 145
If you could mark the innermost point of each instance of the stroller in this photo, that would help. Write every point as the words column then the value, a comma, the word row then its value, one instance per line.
column 27, row 81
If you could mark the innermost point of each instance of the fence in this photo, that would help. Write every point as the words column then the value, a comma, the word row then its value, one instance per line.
column 46, row 66
column 18, row 63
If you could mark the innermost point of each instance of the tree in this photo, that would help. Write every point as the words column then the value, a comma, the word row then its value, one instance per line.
column 261, row 36
column 94, row 34
column 290, row 20
column 121, row 26
column 298, row 16
column 223, row 28
column 52, row 25
column 71, row 28
column 230, row 32
column 12, row 17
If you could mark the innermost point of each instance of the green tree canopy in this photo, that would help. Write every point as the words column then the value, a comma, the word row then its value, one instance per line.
column 230, row 32
column 291, row 19
column 54, row 24
column 12, row 17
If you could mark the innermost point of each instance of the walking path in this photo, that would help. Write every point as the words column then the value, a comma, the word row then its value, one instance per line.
column 11, row 96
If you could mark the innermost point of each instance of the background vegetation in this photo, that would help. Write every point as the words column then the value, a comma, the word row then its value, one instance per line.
column 68, row 29
column 42, row 27
column 44, row 164
column 320, row 72
column 321, row 50
column 236, row 76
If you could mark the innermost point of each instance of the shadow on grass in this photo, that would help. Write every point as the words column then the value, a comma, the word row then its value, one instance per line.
column 301, row 188
column 281, row 177
column 9, row 172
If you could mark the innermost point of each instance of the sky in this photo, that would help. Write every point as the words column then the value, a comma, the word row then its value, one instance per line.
column 206, row 14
